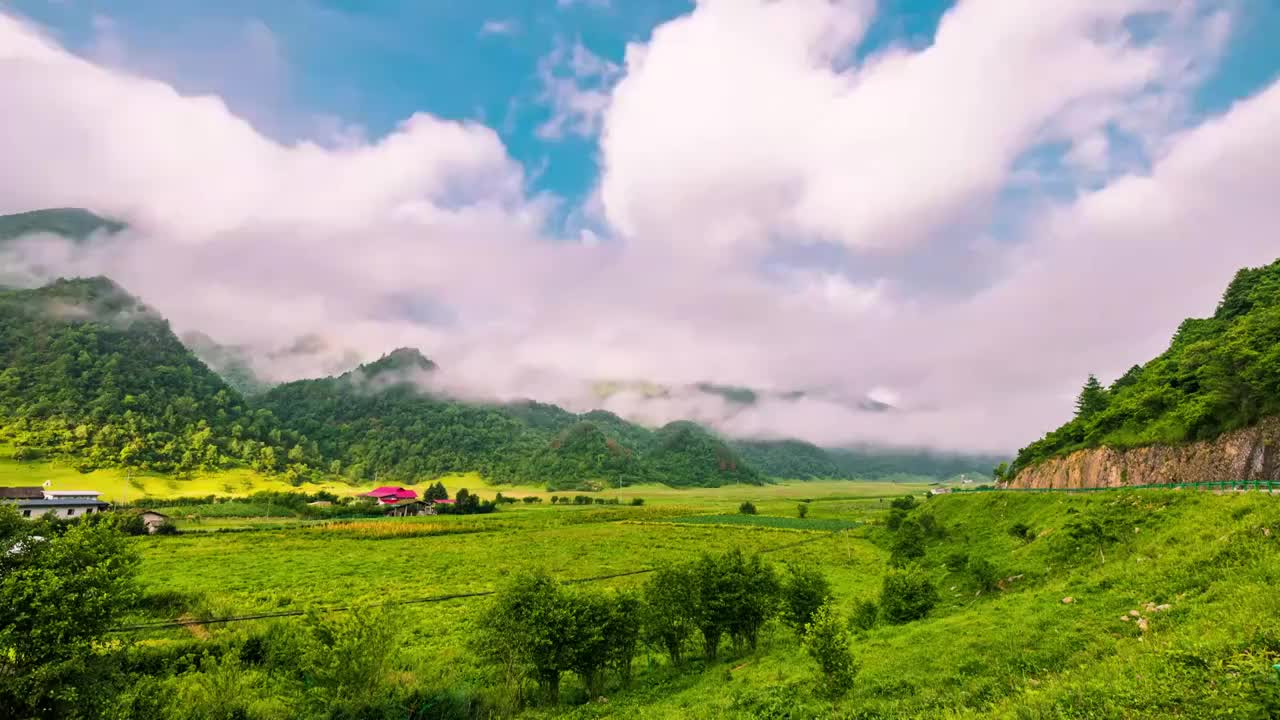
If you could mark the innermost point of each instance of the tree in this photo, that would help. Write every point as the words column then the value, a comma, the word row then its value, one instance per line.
column 747, row 508
column 908, row 543
column 827, row 642
column 60, row 592
column 906, row 595
column 802, row 510
column 804, row 590
column 1092, row 399
column 527, row 630
column 670, row 609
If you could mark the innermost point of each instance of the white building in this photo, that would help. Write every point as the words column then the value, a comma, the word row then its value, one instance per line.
column 34, row 502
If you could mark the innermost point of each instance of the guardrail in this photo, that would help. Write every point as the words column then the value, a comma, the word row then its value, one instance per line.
column 1220, row 485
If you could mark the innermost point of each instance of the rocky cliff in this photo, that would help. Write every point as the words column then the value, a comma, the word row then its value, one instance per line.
column 1252, row 453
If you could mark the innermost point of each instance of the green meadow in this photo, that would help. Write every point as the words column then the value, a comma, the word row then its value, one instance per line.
column 1146, row 604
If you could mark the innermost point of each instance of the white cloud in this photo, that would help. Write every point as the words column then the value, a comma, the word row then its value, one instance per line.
column 719, row 148
column 500, row 27
column 583, row 3
column 735, row 124
column 575, row 86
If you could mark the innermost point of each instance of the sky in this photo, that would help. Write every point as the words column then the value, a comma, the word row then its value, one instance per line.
column 958, row 208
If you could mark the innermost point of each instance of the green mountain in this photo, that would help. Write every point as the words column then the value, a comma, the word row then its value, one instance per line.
column 793, row 459
column 685, row 453
column 71, row 223
column 90, row 372
column 1220, row 373
column 583, row 455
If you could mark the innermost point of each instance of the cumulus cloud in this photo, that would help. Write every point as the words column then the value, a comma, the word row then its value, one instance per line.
column 500, row 27
column 739, row 130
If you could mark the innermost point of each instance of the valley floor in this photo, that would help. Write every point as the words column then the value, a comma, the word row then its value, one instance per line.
column 1059, row 640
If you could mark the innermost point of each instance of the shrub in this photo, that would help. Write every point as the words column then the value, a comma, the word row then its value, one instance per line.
column 166, row 527
column 530, row 499
column 1022, row 531
column 804, row 591
column 908, row 543
column 747, row 508
column 907, row 595
column 802, row 510
column 984, row 574
column 957, row 561
column 637, row 502
column 827, row 642
column 906, row 503
column 865, row 614
column 896, row 516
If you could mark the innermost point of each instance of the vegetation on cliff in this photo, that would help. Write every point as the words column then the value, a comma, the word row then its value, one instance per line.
column 1219, row 374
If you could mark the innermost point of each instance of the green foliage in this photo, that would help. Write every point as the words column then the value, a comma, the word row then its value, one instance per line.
column 71, row 223
column 747, row 508
column 1092, row 399
column 1022, row 531
column 1219, row 374
column 984, row 574
column 91, row 373
column 956, row 561
column 61, row 588
column 865, row 614
column 789, row 459
column 802, row 510
column 805, row 589
column 906, row 503
column 688, row 455
column 827, row 642
column 671, row 611
column 735, row 595
column 907, row 594
column 908, row 543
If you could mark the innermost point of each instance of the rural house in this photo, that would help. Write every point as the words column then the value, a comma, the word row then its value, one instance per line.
column 34, row 501
column 389, row 494
column 153, row 520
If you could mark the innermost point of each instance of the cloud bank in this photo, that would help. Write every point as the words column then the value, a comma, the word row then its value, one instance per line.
column 770, row 192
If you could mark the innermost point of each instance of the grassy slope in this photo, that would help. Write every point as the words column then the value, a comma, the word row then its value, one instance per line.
column 1020, row 653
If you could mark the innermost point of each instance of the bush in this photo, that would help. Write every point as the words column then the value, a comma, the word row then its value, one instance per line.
column 826, row 641
column 908, row 543
column 166, row 527
column 865, row 614
column 637, row 502
column 530, row 499
column 747, row 508
column 804, row 591
column 984, row 575
column 906, row 503
column 896, row 516
column 957, row 561
column 907, row 595
column 1022, row 531
column 802, row 510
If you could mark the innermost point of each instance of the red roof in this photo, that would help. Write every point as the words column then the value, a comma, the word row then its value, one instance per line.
column 445, row 501
column 391, row 493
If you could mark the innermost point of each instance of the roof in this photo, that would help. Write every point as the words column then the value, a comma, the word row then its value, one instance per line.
column 445, row 501
column 22, row 493
column 61, row 502
column 71, row 493
column 394, row 491
column 152, row 512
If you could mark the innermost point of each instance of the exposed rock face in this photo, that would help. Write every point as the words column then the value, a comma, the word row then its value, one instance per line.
column 1252, row 453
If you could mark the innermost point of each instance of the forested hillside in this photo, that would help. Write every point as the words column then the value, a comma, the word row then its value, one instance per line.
column 91, row 373
column 70, row 223
column 1219, row 373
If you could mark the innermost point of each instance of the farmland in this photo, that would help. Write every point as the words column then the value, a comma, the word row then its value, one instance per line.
column 1016, row 651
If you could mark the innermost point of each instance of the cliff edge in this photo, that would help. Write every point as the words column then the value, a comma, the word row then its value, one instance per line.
column 1251, row 453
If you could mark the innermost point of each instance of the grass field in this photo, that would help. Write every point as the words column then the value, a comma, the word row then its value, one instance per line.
column 1020, row 652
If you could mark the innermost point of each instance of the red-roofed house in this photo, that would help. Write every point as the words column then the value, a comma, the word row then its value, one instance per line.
column 389, row 494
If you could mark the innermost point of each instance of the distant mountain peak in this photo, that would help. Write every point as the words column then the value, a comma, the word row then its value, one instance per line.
column 71, row 223
column 399, row 360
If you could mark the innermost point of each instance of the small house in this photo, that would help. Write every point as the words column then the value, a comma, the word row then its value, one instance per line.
column 389, row 494
column 940, row 491
column 153, row 520
column 34, row 502
column 409, row 508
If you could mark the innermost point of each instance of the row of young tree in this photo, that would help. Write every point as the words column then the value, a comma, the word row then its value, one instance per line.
column 536, row 629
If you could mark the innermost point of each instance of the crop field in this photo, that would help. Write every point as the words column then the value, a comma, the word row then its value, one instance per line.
column 1018, row 651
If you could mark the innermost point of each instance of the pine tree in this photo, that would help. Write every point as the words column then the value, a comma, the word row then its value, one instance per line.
column 1092, row 399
